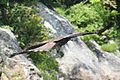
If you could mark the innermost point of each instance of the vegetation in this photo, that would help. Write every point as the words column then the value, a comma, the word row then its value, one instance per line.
column 95, row 15
column 86, row 15
column 47, row 65
column 109, row 47
column 21, row 18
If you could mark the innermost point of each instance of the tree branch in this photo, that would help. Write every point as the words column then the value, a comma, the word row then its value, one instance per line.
column 46, row 45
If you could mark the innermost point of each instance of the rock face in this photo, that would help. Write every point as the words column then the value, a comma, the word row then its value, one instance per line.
column 18, row 67
column 78, row 62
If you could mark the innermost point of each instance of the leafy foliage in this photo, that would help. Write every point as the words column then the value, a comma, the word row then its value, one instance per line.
column 110, row 47
column 94, row 1
column 26, row 24
column 23, row 21
column 20, row 17
column 28, row 29
column 94, row 15
column 47, row 65
column 87, row 17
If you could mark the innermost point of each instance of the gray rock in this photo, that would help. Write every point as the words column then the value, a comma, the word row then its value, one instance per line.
column 78, row 62
column 17, row 67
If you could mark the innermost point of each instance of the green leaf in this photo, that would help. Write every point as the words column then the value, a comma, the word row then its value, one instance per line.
column 94, row 1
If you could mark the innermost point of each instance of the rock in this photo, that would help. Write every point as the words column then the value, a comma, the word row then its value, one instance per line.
column 78, row 61
column 18, row 67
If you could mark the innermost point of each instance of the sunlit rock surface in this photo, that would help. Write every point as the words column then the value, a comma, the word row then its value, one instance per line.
column 18, row 67
column 78, row 62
